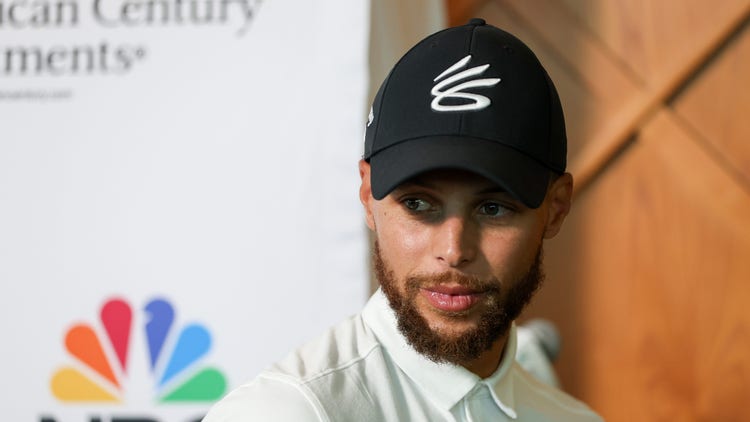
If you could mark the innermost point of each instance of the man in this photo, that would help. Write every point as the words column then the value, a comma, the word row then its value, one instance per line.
column 463, row 177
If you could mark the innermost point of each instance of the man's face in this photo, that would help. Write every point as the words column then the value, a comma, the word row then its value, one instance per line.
column 458, row 259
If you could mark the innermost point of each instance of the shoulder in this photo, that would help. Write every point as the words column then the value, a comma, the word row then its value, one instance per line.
column 541, row 399
column 267, row 398
column 300, row 386
column 342, row 346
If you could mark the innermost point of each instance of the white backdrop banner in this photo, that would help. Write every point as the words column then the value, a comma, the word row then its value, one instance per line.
column 178, row 197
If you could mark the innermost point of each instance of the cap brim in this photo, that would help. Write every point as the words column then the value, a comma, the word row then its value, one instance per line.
column 523, row 177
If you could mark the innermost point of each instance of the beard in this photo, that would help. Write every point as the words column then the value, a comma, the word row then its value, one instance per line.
column 503, row 304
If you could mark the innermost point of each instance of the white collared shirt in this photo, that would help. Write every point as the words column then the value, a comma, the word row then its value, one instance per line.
column 364, row 370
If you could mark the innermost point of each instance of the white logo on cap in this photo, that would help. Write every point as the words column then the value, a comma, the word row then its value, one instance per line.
column 479, row 101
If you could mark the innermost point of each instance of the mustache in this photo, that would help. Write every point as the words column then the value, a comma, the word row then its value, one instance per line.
column 415, row 282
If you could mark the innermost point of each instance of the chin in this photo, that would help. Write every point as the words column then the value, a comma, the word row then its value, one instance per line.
column 450, row 326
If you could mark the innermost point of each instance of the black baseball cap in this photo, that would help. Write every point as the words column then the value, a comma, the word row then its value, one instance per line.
column 472, row 97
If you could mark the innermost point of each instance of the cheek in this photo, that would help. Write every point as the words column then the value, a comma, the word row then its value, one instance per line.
column 402, row 245
column 511, row 252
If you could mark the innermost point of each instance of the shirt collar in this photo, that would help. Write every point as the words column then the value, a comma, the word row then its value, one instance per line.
column 446, row 383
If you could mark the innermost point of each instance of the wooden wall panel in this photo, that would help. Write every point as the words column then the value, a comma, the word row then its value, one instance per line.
column 460, row 11
column 649, row 281
column 717, row 105
column 654, row 38
column 625, row 100
column 662, row 276
column 648, row 284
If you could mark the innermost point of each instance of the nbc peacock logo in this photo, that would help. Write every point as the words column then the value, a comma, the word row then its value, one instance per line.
column 101, row 351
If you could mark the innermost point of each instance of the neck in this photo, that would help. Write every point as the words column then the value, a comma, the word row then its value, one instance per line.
column 486, row 364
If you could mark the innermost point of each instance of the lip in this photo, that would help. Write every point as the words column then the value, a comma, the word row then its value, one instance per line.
column 451, row 298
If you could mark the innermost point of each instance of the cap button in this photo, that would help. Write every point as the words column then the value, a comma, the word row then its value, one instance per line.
column 477, row 21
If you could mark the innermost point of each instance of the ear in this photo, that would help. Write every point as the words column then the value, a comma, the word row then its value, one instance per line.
column 559, row 197
column 365, row 193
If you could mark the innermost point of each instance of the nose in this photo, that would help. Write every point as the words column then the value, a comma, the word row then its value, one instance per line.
column 455, row 242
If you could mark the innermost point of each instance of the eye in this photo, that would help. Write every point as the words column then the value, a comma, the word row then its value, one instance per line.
column 494, row 209
column 416, row 204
